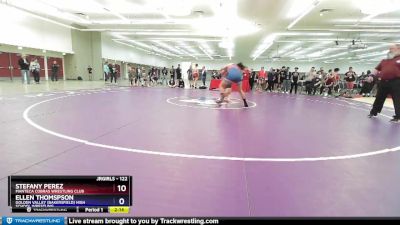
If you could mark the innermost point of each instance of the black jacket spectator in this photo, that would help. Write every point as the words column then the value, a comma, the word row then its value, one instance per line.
column 54, row 68
column 23, row 65
column 178, row 73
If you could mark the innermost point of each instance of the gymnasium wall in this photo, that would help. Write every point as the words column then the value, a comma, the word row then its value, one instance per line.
column 115, row 51
column 21, row 29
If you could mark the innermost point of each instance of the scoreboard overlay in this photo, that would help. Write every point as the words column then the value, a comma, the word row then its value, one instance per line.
column 59, row 194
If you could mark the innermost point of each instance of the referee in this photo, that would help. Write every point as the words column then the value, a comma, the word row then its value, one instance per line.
column 389, row 73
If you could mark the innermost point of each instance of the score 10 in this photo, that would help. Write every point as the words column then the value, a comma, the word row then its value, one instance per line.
column 123, row 188
column 122, row 185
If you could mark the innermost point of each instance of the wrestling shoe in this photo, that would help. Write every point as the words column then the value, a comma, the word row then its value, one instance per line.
column 394, row 120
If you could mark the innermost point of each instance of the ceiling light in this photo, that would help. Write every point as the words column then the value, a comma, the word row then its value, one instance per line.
column 315, row 54
column 373, row 8
column 152, row 48
column 47, row 9
column 297, row 7
column 305, row 34
column 17, row 10
column 305, row 12
column 117, row 15
column 169, row 48
column 262, row 50
column 232, row 27
column 227, row 43
column 171, row 7
column 205, row 52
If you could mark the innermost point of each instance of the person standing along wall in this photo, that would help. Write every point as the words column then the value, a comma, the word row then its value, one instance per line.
column 261, row 79
column 195, row 74
column 24, row 66
column 252, row 78
column 54, row 71
column 131, row 75
column 309, row 81
column 172, row 72
column 350, row 79
column 35, row 69
column 294, row 81
column 138, row 76
column 190, row 76
column 204, row 76
column 336, row 85
column 106, row 71
column 286, row 80
column 90, row 72
column 113, row 73
column 164, row 75
column 271, row 80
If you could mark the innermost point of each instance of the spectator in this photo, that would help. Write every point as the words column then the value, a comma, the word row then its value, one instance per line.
column 377, row 81
column 172, row 72
column 106, row 70
column 271, row 80
column 214, row 75
column 164, row 75
column 35, row 69
column 261, row 79
column 252, row 78
column 143, row 77
column 294, row 80
column 181, row 83
column 178, row 72
column 90, row 72
column 171, row 83
column 329, row 82
column 131, row 75
column 190, row 76
column 336, row 79
column 368, row 84
column 321, row 73
column 114, row 74
column 138, row 76
column 54, row 71
column 309, row 81
column 204, row 75
column 286, row 80
column 195, row 74
column 278, row 80
column 24, row 66
column 153, row 76
column 318, row 82
column 350, row 77
column 110, row 68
